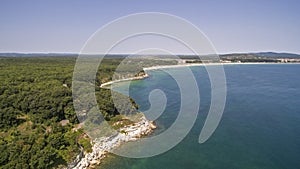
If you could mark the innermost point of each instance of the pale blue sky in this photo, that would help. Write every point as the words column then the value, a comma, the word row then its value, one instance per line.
column 232, row 26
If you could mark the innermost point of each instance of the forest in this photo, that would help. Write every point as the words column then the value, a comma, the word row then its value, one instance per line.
column 38, row 124
column 35, row 98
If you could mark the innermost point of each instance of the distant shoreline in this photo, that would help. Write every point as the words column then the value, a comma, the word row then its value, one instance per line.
column 185, row 65
column 212, row 64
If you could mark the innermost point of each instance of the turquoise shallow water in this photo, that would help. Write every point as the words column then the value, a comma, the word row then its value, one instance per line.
column 260, row 127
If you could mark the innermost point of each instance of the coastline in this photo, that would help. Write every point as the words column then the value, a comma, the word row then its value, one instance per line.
column 211, row 64
column 123, row 80
column 185, row 65
column 103, row 145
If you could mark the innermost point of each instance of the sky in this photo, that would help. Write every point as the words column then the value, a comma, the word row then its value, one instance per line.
column 232, row 26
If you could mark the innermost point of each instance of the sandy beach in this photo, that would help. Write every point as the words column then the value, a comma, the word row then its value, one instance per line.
column 208, row 64
column 123, row 80
column 182, row 65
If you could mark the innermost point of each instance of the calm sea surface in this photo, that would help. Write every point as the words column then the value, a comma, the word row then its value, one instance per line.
column 260, row 127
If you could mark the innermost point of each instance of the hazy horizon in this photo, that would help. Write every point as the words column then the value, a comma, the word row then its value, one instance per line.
column 231, row 26
column 71, row 53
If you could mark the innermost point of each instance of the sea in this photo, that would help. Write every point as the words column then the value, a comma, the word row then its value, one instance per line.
column 259, row 128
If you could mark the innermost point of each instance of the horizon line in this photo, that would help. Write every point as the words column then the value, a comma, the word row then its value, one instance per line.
column 191, row 54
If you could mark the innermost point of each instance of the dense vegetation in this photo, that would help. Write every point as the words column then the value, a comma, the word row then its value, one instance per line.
column 38, row 124
column 35, row 96
column 117, row 68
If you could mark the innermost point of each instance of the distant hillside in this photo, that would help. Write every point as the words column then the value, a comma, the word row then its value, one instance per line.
column 273, row 55
column 262, row 55
column 55, row 55
column 277, row 55
column 38, row 54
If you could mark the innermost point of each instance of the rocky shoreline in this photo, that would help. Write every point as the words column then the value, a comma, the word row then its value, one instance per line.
column 105, row 144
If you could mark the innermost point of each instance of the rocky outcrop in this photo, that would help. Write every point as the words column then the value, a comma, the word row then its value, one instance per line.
column 105, row 144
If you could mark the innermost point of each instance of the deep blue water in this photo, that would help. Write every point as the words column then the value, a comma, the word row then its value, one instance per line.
column 260, row 127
